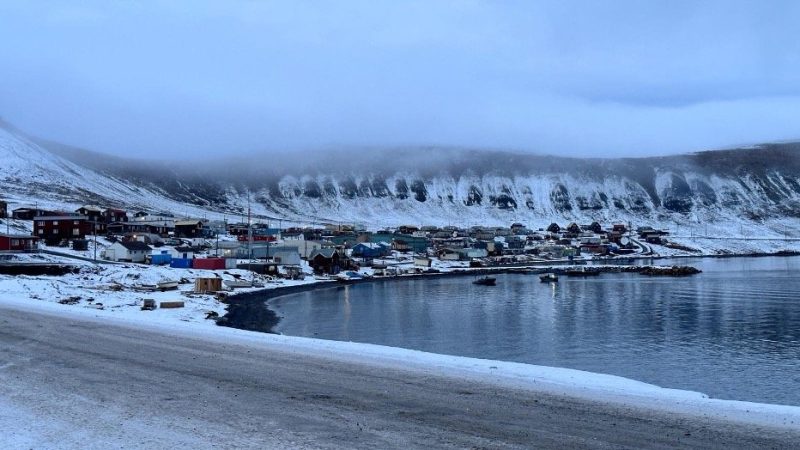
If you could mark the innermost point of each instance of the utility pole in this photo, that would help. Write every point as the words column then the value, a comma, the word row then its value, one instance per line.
column 249, row 237
column 94, row 232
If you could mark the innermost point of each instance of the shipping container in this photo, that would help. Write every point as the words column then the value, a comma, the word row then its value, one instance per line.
column 209, row 263
column 161, row 259
column 181, row 263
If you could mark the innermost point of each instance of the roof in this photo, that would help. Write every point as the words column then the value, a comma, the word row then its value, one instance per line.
column 136, row 245
column 372, row 245
column 91, row 208
column 324, row 252
column 18, row 236
column 60, row 218
column 188, row 222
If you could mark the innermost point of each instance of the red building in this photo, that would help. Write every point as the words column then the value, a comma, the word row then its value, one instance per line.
column 112, row 215
column 54, row 229
column 18, row 242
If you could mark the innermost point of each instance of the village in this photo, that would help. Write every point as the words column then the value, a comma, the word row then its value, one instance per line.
column 188, row 268
column 111, row 234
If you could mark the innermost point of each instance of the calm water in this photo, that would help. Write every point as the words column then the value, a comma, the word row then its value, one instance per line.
column 731, row 332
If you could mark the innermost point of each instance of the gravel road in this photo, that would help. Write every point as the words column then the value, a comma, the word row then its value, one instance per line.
column 68, row 383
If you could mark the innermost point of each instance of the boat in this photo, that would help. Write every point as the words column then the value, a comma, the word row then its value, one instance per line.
column 548, row 278
column 167, row 285
column 145, row 287
column 485, row 281
column 238, row 283
column 582, row 272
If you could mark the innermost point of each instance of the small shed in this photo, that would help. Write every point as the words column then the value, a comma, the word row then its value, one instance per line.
column 208, row 284
column 422, row 262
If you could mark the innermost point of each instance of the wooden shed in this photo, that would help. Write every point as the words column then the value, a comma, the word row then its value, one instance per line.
column 204, row 285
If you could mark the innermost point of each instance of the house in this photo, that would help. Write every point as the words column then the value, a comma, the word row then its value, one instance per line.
column 518, row 228
column 53, row 229
column 92, row 213
column 227, row 249
column 371, row 250
column 469, row 253
column 30, row 213
column 325, row 260
column 112, row 215
column 287, row 257
column 306, row 247
column 293, row 236
column 132, row 251
column 573, row 228
column 147, row 238
column 554, row 228
column 18, row 242
column 182, row 252
column 329, row 260
column 449, row 254
column 407, row 229
column 189, row 228
column 400, row 245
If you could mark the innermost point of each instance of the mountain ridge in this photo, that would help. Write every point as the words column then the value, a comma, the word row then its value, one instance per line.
column 759, row 184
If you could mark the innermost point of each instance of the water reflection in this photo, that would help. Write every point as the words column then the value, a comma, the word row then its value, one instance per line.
column 732, row 332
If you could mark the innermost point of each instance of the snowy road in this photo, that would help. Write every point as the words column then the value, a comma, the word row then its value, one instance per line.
column 84, row 384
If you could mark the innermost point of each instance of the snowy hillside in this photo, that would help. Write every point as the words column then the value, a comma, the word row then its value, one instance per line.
column 753, row 191
column 32, row 175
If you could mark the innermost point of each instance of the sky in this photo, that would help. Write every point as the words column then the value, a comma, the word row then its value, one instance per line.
column 157, row 79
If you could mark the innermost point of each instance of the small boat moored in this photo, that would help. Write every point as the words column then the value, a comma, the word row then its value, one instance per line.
column 485, row 281
column 167, row 285
column 548, row 278
column 238, row 283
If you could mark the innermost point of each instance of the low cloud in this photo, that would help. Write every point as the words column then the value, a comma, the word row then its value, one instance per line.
column 216, row 78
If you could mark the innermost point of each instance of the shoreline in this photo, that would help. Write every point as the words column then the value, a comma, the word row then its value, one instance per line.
column 251, row 311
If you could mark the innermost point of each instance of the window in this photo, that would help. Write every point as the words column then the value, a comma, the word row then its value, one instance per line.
column 55, row 223
column 76, row 231
column 15, row 242
column 55, row 231
column 75, row 222
column 41, row 230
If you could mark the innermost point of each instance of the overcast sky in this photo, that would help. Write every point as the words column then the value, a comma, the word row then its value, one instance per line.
column 155, row 79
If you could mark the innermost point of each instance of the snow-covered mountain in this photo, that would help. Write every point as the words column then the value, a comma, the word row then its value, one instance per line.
column 755, row 187
column 32, row 175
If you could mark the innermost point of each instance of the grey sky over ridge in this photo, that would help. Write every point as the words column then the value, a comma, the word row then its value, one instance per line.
column 150, row 79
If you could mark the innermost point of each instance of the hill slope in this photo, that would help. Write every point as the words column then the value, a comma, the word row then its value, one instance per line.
column 757, row 187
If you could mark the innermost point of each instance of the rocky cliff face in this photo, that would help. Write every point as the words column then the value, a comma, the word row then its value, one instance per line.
column 441, row 186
